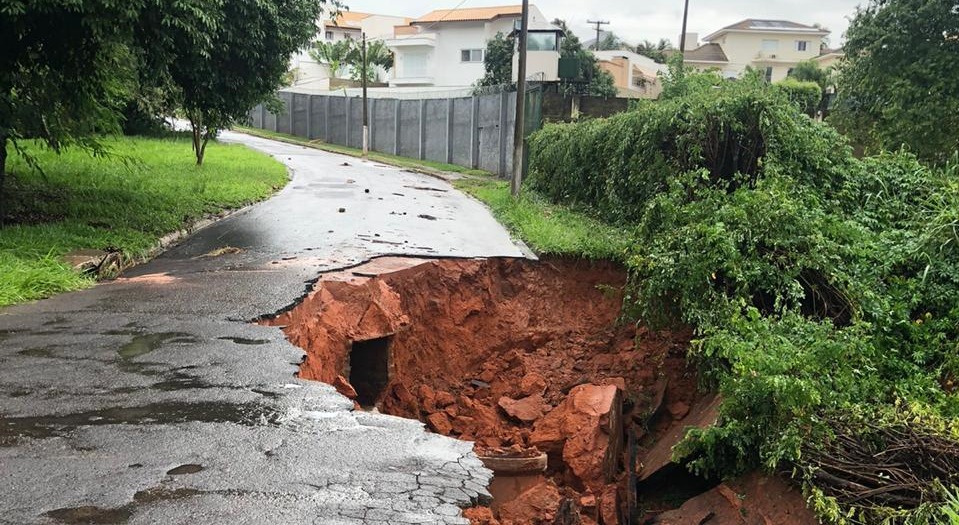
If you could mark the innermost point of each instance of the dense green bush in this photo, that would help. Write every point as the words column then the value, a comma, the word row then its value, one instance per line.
column 806, row 95
column 824, row 289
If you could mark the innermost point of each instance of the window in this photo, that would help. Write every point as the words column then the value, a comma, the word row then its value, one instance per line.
column 471, row 55
column 801, row 45
column 770, row 45
column 329, row 35
column 769, row 74
column 414, row 65
column 541, row 42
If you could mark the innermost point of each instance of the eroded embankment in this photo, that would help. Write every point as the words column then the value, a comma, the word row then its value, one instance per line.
column 521, row 357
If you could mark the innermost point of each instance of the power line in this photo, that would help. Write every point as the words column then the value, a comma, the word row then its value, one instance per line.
column 598, row 23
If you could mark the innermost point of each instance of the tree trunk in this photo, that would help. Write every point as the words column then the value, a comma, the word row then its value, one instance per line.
column 3, row 176
column 199, row 144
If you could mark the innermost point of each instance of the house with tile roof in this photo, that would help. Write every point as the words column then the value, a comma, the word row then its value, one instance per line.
column 771, row 46
column 634, row 75
column 445, row 47
column 312, row 75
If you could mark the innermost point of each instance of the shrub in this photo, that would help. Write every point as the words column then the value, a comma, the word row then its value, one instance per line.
column 806, row 95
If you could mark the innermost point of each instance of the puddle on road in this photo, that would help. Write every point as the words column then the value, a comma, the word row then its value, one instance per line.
column 146, row 343
column 91, row 514
column 13, row 429
column 189, row 468
column 37, row 352
column 245, row 341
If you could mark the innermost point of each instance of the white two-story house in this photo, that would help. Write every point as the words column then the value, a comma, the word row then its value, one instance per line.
column 771, row 46
column 312, row 75
column 445, row 48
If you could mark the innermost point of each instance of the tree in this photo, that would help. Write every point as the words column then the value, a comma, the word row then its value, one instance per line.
column 335, row 55
column 377, row 56
column 809, row 71
column 599, row 82
column 65, row 71
column 611, row 42
column 498, row 61
column 247, row 61
column 899, row 82
column 655, row 51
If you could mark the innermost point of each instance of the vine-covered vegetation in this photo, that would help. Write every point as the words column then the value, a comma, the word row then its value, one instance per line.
column 824, row 288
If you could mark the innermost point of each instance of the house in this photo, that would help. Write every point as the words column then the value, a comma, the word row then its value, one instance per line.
column 312, row 75
column 771, row 46
column 829, row 58
column 635, row 75
column 446, row 47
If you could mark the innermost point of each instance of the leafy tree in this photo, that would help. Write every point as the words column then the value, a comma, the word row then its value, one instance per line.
column 655, row 51
column 809, row 71
column 899, row 82
column 610, row 41
column 600, row 82
column 377, row 56
column 66, row 69
column 335, row 55
column 248, row 58
column 498, row 60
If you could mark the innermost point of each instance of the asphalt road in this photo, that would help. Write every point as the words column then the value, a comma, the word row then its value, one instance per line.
column 152, row 399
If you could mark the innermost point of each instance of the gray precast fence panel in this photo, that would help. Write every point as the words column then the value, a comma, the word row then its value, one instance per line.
column 409, row 144
column 489, row 133
column 284, row 123
column 301, row 115
column 434, row 140
column 317, row 117
column 462, row 131
column 337, row 121
column 383, row 120
column 269, row 120
column 356, row 123
column 256, row 116
column 509, row 117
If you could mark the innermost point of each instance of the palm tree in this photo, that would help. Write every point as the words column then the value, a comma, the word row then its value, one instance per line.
column 334, row 54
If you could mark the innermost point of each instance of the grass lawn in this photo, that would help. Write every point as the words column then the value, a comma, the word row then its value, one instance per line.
column 147, row 188
column 547, row 228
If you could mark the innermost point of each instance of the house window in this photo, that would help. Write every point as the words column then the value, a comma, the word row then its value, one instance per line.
column 415, row 64
column 541, row 42
column 769, row 74
column 329, row 35
column 801, row 45
column 770, row 45
column 471, row 55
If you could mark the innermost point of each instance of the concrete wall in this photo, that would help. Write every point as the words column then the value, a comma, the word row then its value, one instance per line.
column 473, row 132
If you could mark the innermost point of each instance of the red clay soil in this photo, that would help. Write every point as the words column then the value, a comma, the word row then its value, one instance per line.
column 508, row 353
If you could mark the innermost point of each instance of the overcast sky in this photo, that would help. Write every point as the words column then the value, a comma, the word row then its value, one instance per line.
column 637, row 20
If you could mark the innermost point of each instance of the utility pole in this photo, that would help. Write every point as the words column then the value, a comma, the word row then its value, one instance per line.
column 598, row 23
column 682, row 36
column 366, row 117
column 519, row 130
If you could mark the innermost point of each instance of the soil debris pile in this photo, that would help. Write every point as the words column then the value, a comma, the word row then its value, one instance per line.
column 524, row 358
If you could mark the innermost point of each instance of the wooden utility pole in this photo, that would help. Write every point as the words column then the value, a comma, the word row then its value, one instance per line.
column 682, row 36
column 366, row 117
column 598, row 23
column 519, row 130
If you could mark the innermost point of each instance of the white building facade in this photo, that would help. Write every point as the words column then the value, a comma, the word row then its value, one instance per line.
column 445, row 48
column 773, row 47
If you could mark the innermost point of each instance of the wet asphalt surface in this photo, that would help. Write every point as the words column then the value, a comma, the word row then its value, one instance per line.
column 152, row 399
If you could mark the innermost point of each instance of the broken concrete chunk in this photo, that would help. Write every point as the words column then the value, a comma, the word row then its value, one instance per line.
column 343, row 386
column 527, row 409
column 704, row 413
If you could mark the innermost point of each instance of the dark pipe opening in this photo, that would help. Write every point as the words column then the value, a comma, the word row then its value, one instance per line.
column 370, row 369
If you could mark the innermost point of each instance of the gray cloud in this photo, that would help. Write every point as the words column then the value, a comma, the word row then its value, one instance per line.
column 650, row 19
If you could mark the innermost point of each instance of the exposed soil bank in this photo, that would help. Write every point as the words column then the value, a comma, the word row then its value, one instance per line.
column 521, row 357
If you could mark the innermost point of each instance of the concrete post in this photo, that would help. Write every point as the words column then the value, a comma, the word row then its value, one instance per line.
column 349, row 117
column 396, row 127
column 326, row 118
column 449, row 131
column 474, row 133
column 262, row 116
column 371, row 124
column 422, row 140
column 503, row 132
column 309, row 117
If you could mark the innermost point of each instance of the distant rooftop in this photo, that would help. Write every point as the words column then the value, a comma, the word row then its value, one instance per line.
column 349, row 19
column 753, row 24
column 473, row 14
column 706, row 53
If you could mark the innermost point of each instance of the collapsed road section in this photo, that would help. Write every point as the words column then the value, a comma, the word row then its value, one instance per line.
column 575, row 412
